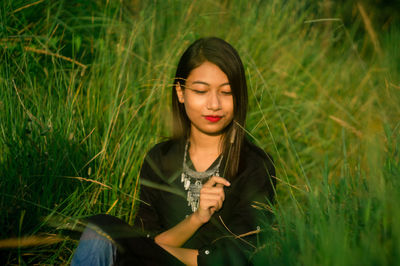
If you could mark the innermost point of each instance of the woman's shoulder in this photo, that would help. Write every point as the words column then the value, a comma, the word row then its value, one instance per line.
column 165, row 158
column 256, row 161
column 257, row 170
column 253, row 153
column 167, row 148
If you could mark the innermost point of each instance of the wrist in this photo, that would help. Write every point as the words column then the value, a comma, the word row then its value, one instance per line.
column 197, row 219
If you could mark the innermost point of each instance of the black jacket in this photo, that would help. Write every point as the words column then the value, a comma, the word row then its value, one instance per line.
column 163, row 203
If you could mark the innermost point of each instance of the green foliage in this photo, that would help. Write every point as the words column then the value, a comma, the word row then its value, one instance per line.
column 84, row 93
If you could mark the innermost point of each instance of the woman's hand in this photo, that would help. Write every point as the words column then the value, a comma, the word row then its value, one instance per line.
column 212, row 197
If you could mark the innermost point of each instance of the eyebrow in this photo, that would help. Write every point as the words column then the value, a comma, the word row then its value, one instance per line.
column 205, row 83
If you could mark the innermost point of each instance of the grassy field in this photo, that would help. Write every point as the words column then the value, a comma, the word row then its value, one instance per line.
column 85, row 89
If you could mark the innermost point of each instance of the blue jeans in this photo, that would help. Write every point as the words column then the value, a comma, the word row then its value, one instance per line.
column 127, row 247
column 94, row 249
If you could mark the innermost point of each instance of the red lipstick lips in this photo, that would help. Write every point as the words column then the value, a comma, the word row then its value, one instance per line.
column 213, row 119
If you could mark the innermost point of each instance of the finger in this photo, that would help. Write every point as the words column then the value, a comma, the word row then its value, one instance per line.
column 213, row 205
column 217, row 180
column 212, row 190
column 209, row 200
column 212, row 210
column 207, row 197
column 217, row 191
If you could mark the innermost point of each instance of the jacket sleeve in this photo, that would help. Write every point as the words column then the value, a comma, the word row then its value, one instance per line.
column 257, row 186
column 147, row 220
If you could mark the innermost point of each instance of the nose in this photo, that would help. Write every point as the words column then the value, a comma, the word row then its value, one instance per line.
column 213, row 102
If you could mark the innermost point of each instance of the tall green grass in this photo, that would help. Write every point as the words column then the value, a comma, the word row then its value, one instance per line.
column 84, row 93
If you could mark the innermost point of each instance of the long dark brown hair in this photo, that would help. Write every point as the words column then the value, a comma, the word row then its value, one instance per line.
column 222, row 54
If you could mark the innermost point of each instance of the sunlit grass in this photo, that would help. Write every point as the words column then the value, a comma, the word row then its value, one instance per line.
column 85, row 92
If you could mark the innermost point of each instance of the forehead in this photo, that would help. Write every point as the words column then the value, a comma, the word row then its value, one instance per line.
column 209, row 73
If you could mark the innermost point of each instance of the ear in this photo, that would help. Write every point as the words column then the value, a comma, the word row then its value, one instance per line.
column 179, row 92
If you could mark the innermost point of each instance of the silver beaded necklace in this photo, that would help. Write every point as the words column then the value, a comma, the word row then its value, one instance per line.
column 193, row 181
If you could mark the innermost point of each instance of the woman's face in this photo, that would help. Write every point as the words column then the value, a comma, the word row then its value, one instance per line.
column 208, row 99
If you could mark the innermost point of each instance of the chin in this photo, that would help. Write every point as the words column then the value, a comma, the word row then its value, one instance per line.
column 214, row 132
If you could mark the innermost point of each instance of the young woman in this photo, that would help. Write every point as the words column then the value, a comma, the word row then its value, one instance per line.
column 198, row 189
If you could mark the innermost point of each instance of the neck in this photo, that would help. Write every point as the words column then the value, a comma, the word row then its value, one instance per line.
column 203, row 143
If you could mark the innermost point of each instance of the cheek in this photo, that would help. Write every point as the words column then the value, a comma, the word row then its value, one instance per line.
column 192, row 106
column 194, row 103
column 229, row 106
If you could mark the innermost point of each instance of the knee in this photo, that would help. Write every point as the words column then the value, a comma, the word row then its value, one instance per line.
column 94, row 248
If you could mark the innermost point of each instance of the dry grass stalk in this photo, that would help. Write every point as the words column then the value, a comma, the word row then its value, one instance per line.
column 262, row 206
column 290, row 94
column 29, row 5
column 112, row 206
column 249, row 233
column 290, row 185
column 369, row 28
column 40, row 51
column 80, row 143
column 29, row 241
column 88, row 180
column 346, row 125
column 12, row 40
column 100, row 152
column 30, row 115
column 238, row 236
column 135, row 192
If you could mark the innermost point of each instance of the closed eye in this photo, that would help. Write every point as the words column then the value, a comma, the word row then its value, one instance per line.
column 226, row 92
column 199, row 91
